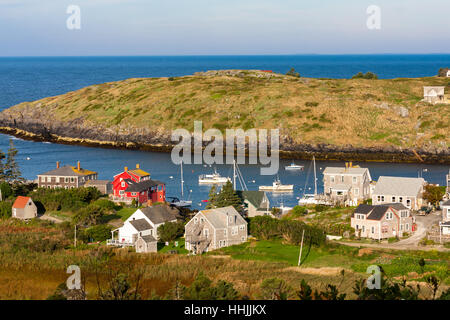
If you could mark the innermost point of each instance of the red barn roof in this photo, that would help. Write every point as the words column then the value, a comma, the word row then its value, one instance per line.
column 21, row 202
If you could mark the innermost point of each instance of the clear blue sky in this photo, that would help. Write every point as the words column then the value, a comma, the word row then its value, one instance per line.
column 190, row 27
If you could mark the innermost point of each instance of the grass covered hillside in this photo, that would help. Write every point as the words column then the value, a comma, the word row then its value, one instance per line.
column 338, row 112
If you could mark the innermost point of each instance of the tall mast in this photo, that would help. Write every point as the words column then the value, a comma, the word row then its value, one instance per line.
column 182, row 181
column 315, row 178
column 234, row 174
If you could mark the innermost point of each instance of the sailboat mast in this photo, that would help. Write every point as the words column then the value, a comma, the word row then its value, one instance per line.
column 182, row 180
column 234, row 174
column 315, row 177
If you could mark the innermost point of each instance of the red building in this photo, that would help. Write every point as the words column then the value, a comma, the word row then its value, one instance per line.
column 136, row 184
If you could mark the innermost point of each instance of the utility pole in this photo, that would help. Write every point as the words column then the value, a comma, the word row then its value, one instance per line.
column 301, row 249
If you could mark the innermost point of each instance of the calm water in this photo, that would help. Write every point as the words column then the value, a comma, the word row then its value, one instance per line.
column 27, row 79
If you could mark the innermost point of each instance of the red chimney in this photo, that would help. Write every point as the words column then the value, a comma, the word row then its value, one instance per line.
column 78, row 166
column 57, row 164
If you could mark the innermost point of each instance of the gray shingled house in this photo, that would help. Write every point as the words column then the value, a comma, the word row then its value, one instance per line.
column 215, row 228
column 407, row 191
column 66, row 177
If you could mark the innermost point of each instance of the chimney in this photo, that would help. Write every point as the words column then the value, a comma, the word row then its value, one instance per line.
column 346, row 165
column 351, row 164
column 57, row 164
column 125, row 169
column 78, row 165
column 137, row 165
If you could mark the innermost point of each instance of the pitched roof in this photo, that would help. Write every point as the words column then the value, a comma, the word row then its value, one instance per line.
column 97, row 182
column 139, row 172
column 254, row 197
column 218, row 216
column 148, row 239
column 21, row 202
column 160, row 213
column 141, row 224
column 141, row 186
column 446, row 203
column 377, row 212
column 68, row 171
column 344, row 170
column 398, row 186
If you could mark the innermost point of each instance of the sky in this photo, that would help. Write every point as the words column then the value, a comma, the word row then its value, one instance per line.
column 222, row 27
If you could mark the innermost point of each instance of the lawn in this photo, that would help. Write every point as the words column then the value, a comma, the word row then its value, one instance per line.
column 162, row 248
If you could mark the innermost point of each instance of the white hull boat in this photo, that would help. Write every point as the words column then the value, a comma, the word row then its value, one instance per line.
column 294, row 166
column 277, row 187
column 214, row 178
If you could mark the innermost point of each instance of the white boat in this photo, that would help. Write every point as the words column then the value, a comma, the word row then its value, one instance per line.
column 214, row 178
column 307, row 199
column 277, row 187
column 294, row 166
column 180, row 202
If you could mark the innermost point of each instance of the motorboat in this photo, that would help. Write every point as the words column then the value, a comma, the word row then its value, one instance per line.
column 277, row 186
column 214, row 178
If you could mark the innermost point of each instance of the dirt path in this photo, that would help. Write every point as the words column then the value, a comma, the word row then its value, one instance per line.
column 50, row 218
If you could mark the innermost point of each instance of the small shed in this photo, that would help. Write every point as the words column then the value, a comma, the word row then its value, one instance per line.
column 104, row 186
column 434, row 94
column 24, row 208
column 146, row 244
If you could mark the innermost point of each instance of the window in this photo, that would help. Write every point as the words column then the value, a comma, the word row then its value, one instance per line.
column 407, row 226
column 373, row 229
column 195, row 220
column 356, row 190
column 206, row 232
column 121, row 192
column 225, row 232
column 342, row 178
column 242, row 227
column 133, row 193
column 400, row 199
column 354, row 180
column 379, row 198
column 72, row 179
column 382, row 198
column 363, row 228
column 242, row 238
column 393, row 199
column 332, row 179
column 123, row 184
column 234, row 231
column 230, row 219
column 408, row 202
column 49, row 179
column 401, row 227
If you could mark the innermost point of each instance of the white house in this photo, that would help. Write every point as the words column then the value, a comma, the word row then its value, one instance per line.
column 407, row 191
column 143, row 223
column 434, row 94
column 448, row 73
column 446, row 218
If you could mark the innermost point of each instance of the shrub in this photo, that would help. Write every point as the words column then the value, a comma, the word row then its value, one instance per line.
column 98, row 233
column 293, row 73
column 6, row 190
column 89, row 216
column 65, row 199
column 169, row 231
column 311, row 104
column 5, row 209
column 106, row 204
column 275, row 289
column 368, row 75
column 320, row 207
column 299, row 211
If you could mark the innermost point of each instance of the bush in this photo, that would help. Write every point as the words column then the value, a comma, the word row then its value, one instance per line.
column 392, row 239
column 293, row 73
column 106, row 204
column 89, row 216
column 65, row 199
column 369, row 75
column 98, row 233
column 6, row 190
column 320, row 208
column 169, row 231
column 299, row 211
column 5, row 209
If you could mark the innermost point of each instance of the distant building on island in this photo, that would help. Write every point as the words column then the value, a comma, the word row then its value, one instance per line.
column 66, row 177
column 136, row 185
column 349, row 185
column 24, row 208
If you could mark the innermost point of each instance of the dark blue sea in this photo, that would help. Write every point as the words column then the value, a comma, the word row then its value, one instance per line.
column 28, row 79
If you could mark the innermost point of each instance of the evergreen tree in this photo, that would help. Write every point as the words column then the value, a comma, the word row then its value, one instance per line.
column 212, row 197
column 228, row 197
column 11, row 168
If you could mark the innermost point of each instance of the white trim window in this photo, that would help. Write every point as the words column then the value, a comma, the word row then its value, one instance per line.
column 234, row 231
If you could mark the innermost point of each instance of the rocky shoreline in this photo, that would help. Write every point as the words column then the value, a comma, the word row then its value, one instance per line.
column 79, row 133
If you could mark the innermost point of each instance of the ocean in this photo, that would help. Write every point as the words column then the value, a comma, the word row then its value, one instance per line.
column 32, row 78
